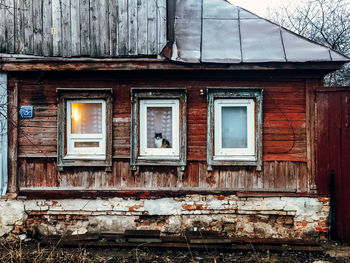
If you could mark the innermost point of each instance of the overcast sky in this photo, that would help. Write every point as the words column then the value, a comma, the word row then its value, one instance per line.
column 260, row 7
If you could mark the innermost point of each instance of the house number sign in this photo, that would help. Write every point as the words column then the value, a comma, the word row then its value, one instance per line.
column 26, row 112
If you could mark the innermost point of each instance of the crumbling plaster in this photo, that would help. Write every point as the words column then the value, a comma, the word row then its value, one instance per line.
column 262, row 217
column 12, row 215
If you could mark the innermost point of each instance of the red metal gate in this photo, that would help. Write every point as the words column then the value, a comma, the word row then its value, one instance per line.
column 333, row 153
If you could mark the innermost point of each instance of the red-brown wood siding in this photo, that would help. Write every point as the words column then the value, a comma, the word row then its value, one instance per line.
column 277, row 175
column 333, row 155
column 284, row 143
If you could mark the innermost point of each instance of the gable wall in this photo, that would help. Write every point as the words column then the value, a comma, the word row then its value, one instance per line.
column 83, row 28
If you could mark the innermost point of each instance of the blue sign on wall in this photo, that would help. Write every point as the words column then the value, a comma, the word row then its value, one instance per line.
column 26, row 112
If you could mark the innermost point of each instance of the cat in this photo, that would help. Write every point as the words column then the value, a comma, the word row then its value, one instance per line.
column 161, row 142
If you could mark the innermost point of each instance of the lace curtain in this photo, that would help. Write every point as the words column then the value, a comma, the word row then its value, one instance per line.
column 159, row 120
column 86, row 118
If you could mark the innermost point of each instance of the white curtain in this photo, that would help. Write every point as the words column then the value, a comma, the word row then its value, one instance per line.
column 88, row 118
column 159, row 120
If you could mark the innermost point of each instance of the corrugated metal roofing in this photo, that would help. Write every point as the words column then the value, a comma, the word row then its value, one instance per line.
column 217, row 31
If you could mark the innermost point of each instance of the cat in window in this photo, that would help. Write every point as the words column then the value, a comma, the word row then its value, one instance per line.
column 161, row 142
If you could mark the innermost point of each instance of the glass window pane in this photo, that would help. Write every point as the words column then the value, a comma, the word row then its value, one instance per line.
column 86, row 118
column 234, row 127
column 86, row 144
column 159, row 127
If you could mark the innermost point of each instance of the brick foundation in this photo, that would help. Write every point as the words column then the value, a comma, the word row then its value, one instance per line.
column 248, row 217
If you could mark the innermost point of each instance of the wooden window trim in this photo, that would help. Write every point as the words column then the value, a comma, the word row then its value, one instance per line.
column 65, row 95
column 162, row 94
column 234, row 93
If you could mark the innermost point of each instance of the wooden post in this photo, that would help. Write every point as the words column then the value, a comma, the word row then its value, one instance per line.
column 13, row 137
column 311, row 86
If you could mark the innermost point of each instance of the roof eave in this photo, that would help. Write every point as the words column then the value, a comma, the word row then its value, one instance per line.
column 127, row 64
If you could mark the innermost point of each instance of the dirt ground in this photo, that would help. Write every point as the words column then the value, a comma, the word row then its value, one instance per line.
column 19, row 252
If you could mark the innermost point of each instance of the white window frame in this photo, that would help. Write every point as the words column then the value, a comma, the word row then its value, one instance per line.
column 163, row 97
column 94, row 153
column 250, row 156
column 244, row 154
column 167, row 153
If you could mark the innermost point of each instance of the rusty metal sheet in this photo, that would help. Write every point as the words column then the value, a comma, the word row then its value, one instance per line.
column 187, row 40
column 219, row 10
column 261, row 41
column 221, row 42
column 299, row 49
column 187, row 31
column 188, row 9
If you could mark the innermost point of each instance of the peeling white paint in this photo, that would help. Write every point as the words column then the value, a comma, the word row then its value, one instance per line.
column 11, row 214
column 174, row 224
column 216, row 204
column 163, row 206
column 268, row 217
column 116, row 224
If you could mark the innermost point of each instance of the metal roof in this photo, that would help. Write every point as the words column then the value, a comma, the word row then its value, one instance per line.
column 217, row 31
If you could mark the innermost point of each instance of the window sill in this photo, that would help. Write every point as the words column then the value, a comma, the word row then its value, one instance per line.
column 231, row 162
column 158, row 161
column 236, row 158
column 159, row 157
column 68, row 163
column 84, row 157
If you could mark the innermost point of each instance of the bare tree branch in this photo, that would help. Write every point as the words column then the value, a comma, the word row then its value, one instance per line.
column 324, row 21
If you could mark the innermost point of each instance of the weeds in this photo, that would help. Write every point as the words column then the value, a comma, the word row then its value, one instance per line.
column 13, row 250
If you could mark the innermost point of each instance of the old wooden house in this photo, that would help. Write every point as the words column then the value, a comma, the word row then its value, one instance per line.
column 178, row 117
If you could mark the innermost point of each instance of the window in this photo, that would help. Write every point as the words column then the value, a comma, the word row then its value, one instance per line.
column 159, row 134
column 159, row 127
column 234, row 127
column 84, row 128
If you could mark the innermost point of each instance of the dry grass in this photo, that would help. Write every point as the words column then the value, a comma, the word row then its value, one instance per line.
column 13, row 250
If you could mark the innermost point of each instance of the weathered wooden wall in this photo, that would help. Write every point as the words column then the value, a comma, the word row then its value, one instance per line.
column 332, row 126
column 277, row 176
column 333, row 155
column 284, row 144
column 89, row 28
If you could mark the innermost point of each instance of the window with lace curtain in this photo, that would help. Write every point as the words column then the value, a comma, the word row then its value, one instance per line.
column 159, row 127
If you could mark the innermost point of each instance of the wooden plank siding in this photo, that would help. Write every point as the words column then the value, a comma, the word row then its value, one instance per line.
column 2, row 28
column 333, row 155
column 74, row 28
column 284, row 138
column 41, row 173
